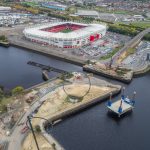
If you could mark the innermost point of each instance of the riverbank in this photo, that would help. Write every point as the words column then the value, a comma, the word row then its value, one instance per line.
column 56, row 53
column 51, row 52
column 142, row 71
column 124, row 76
column 4, row 44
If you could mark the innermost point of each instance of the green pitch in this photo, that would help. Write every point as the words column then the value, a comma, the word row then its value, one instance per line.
column 66, row 31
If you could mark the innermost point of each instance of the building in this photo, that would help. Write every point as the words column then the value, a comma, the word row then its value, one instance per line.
column 54, row 5
column 4, row 9
column 65, row 34
column 87, row 13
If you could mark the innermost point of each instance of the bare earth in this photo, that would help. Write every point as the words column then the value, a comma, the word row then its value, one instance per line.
column 29, row 143
column 56, row 103
column 56, row 100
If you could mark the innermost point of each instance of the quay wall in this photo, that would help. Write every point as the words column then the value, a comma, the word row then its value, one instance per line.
column 74, row 60
column 82, row 106
column 107, row 75
column 4, row 44
column 56, row 55
column 142, row 71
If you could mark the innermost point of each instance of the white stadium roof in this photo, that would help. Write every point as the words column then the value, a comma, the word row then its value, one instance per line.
column 90, row 28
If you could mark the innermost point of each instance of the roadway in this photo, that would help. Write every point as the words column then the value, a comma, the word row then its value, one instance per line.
column 131, row 43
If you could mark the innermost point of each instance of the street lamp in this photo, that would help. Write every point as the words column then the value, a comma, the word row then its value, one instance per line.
column 31, row 127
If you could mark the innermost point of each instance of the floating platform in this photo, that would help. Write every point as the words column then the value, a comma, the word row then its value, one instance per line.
column 115, row 107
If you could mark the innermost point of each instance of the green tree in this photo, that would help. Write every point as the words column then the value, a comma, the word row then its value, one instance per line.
column 17, row 90
column 3, row 108
column 54, row 146
column 38, row 129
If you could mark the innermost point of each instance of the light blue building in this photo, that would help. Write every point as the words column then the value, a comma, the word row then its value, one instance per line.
column 54, row 5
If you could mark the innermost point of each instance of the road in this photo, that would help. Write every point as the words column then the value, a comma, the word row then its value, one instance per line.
column 139, row 60
column 131, row 43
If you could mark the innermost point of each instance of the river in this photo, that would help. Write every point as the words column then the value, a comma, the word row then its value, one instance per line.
column 14, row 70
column 93, row 129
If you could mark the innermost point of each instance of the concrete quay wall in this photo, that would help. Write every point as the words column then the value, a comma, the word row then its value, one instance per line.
column 142, row 71
column 51, row 53
column 125, row 80
column 82, row 106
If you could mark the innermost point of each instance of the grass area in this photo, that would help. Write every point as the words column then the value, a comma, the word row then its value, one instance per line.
column 32, row 4
column 4, row 42
column 72, row 9
column 122, row 71
column 104, row 10
column 3, row 104
column 109, row 55
column 66, row 31
column 142, row 24
column 130, row 51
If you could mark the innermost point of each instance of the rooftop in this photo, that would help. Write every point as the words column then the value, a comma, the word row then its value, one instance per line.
column 87, row 13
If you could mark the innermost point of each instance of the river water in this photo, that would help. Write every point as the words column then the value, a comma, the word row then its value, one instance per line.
column 93, row 129
column 14, row 70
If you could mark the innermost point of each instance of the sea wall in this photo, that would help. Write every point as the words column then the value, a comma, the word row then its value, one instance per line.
column 82, row 106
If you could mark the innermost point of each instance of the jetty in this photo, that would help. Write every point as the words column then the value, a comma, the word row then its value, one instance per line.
column 45, row 67
column 121, row 106
column 120, row 74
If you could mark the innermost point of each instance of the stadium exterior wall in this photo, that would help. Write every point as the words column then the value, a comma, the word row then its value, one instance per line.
column 66, row 43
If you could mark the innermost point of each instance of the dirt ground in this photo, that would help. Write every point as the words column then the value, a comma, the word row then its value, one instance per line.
column 29, row 143
column 56, row 100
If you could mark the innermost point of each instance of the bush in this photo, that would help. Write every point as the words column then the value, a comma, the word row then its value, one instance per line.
column 3, row 38
column 54, row 146
column 38, row 129
column 17, row 90
column 3, row 108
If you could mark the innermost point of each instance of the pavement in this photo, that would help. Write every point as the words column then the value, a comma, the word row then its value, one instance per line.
column 131, row 43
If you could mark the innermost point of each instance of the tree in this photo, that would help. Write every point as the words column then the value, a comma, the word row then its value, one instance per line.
column 38, row 129
column 54, row 146
column 17, row 90
column 3, row 108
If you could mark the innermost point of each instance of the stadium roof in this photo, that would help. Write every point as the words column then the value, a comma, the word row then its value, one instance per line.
column 90, row 28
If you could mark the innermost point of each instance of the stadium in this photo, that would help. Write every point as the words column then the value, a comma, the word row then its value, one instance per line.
column 65, row 34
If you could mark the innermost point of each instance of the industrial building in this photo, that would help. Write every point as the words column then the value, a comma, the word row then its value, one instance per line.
column 54, row 5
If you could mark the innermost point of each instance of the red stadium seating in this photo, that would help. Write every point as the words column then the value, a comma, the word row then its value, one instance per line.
column 60, row 28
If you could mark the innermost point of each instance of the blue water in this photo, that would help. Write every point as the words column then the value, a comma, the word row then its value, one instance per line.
column 93, row 129
column 14, row 70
